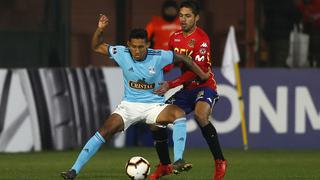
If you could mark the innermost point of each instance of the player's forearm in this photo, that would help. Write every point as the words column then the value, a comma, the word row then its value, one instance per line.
column 97, row 39
column 168, row 68
column 184, row 78
column 191, row 65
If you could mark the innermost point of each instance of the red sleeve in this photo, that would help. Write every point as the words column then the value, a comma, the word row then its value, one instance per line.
column 185, row 77
column 168, row 68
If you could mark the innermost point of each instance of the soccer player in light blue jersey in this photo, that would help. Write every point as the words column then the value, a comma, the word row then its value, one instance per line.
column 143, row 73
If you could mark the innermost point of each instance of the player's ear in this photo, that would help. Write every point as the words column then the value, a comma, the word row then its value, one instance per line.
column 128, row 43
column 148, row 44
column 197, row 17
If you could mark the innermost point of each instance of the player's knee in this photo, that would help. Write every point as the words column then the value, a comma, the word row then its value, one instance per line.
column 105, row 134
column 179, row 113
column 201, row 118
column 171, row 113
column 109, row 129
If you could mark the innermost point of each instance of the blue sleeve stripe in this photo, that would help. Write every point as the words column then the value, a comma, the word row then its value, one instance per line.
column 154, row 54
column 152, row 51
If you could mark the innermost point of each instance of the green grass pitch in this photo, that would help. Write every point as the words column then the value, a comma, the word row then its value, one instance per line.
column 109, row 164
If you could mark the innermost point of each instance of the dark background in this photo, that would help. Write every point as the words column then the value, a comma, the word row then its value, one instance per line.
column 55, row 33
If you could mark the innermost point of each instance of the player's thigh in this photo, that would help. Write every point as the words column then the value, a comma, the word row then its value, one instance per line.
column 130, row 113
column 152, row 113
column 183, row 99
column 206, row 100
column 169, row 114
column 202, row 110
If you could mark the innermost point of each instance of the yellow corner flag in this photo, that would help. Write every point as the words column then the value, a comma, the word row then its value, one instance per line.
column 230, row 71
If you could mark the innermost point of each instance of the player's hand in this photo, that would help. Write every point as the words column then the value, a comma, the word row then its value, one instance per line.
column 103, row 21
column 164, row 87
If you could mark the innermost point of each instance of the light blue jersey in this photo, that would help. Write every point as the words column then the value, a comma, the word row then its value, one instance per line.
column 141, row 78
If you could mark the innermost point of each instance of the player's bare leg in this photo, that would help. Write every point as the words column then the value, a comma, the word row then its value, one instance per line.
column 111, row 125
column 202, row 112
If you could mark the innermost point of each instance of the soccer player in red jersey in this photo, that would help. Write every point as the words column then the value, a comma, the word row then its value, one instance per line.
column 196, row 95
column 160, row 28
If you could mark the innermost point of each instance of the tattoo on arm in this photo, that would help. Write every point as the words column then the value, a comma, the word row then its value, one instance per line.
column 191, row 65
column 97, row 43
column 178, row 58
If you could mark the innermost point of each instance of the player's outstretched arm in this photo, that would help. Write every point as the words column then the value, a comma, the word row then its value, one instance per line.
column 97, row 43
column 178, row 58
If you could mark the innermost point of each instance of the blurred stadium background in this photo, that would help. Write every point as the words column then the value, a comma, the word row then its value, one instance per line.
column 58, row 33
column 55, row 92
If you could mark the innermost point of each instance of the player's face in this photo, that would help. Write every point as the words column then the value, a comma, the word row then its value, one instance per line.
column 138, row 48
column 188, row 20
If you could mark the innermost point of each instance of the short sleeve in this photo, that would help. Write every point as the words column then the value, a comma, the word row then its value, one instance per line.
column 166, row 58
column 116, row 53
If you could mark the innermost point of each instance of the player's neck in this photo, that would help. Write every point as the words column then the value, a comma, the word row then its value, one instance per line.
column 139, row 60
column 188, row 33
column 144, row 57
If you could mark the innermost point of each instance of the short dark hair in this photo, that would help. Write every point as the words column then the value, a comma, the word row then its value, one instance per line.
column 193, row 5
column 170, row 3
column 138, row 33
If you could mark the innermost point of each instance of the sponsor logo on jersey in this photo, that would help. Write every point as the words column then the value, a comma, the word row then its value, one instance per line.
column 204, row 45
column 202, row 51
column 141, row 84
column 191, row 43
column 199, row 58
column 186, row 52
column 177, row 40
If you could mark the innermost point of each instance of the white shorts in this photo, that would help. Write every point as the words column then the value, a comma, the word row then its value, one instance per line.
column 132, row 112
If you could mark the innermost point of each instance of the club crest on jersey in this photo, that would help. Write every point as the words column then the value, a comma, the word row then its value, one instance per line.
column 152, row 70
column 191, row 43
column 202, row 51
column 141, row 84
